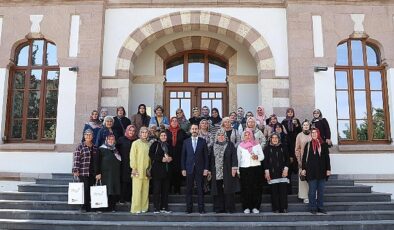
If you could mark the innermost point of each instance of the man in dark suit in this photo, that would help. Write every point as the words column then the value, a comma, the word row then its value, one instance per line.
column 194, row 164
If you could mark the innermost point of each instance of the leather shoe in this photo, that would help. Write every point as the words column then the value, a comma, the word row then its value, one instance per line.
column 188, row 211
column 313, row 211
column 322, row 210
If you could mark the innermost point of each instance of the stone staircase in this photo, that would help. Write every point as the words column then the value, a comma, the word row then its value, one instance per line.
column 43, row 205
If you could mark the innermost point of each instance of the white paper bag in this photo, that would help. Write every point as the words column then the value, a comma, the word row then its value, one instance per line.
column 98, row 196
column 76, row 193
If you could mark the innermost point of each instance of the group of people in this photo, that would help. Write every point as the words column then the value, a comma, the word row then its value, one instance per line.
column 226, row 155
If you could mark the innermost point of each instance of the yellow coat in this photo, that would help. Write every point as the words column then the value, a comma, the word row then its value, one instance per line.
column 139, row 158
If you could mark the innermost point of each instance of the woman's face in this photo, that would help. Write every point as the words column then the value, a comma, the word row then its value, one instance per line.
column 120, row 112
column 305, row 126
column 247, row 136
column 316, row 114
column 104, row 113
column 215, row 114
column 95, row 115
column 179, row 114
column 249, row 115
column 196, row 113
column 204, row 125
column 260, row 111
column 227, row 124
column 163, row 137
column 274, row 120
column 142, row 110
column 314, row 134
column 205, row 111
column 131, row 132
column 274, row 139
column 111, row 140
column 174, row 122
column 88, row 137
column 109, row 123
column 251, row 123
column 144, row 134
column 159, row 112
column 233, row 116
column 290, row 113
column 221, row 137
column 278, row 129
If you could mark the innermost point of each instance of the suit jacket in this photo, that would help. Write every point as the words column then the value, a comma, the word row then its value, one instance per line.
column 191, row 160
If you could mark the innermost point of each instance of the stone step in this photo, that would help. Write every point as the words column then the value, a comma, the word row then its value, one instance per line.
column 180, row 207
column 329, row 197
column 121, row 225
column 195, row 217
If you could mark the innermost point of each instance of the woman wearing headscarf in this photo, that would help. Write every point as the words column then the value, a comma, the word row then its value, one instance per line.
column 195, row 119
column 124, row 145
column 141, row 118
column 120, row 122
column 175, row 138
column 103, row 114
column 215, row 121
column 105, row 131
column 107, row 168
column 301, row 140
column 182, row 121
column 224, row 166
column 205, row 113
column 316, row 167
column 204, row 133
column 232, row 134
column 139, row 163
column 284, row 140
column 258, row 135
column 159, row 121
column 322, row 124
column 83, row 165
column 160, row 156
column 250, row 155
column 260, row 117
column 276, row 165
column 94, row 124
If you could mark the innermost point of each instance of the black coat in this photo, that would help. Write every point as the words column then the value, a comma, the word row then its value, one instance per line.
column 231, row 184
column 276, row 158
column 176, row 151
column 108, row 166
column 316, row 165
column 120, row 126
column 124, row 145
column 323, row 127
column 159, row 169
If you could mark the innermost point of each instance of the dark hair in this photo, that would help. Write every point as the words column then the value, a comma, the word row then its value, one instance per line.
column 121, row 108
column 143, row 105
column 163, row 131
column 193, row 125
column 159, row 107
column 215, row 109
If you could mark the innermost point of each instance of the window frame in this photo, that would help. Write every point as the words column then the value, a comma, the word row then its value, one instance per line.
column 43, row 93
column 381, row 68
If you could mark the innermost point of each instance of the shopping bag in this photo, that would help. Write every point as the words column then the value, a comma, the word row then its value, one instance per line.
column 76, row 193
column 98, row 196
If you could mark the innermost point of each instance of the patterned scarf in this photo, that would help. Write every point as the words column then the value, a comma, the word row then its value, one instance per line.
column 174, row 132
column 316, row 143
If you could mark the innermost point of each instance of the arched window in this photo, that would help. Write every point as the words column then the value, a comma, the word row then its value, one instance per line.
column 33, row 93
column 196, row 78
column 361, row 93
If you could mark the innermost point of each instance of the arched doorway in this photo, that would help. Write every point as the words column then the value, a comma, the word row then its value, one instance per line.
column 195, row 78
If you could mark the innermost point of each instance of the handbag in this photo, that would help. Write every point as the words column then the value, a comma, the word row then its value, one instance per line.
column 76, row 192
column 98, row 196
column 302, row 177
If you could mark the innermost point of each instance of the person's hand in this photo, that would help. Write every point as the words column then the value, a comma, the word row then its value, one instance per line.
column 183, row 172
column 134, row 172
column 169, row 159
column 303, row 173
column 328, row 173
column 329, row 142
column 254, row 156
column 233, row 172
column 205, row 173
column 267, row 176
column 98, row 177
column 164, row 159
column 76, row 174
column 285, row 172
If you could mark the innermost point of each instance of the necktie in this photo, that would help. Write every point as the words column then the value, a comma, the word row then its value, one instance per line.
column 194, row 144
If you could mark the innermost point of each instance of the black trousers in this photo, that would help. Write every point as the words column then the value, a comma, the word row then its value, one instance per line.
column 112, row 199
column 87, row 182
column 176, row 180
column 125, row 195
column 160, row 193
column 279, row 197
column 190, row 179
column 252, row 187
column 223, row 202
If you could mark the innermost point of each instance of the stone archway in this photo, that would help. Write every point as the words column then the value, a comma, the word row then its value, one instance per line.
column 195, row 21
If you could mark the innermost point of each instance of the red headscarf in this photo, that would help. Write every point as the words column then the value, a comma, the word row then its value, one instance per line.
column 316, row 143
column 249, row 144
column 174, row 131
